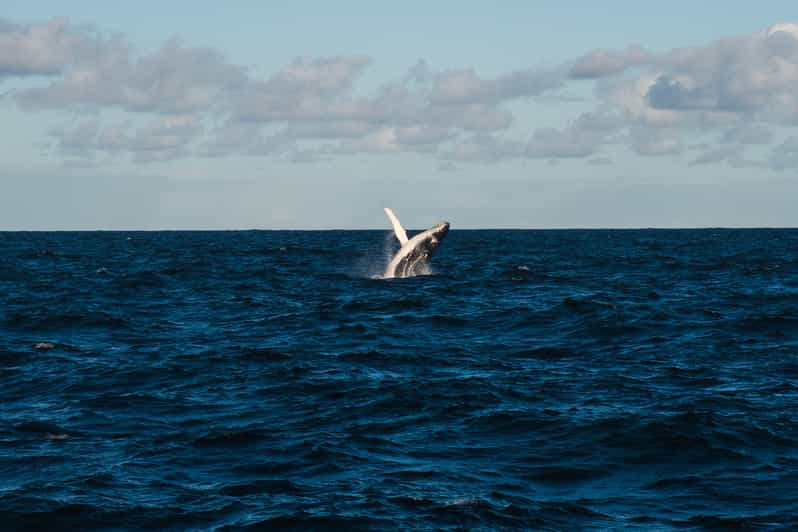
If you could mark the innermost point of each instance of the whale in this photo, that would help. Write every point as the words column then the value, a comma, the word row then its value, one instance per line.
column 414, row 253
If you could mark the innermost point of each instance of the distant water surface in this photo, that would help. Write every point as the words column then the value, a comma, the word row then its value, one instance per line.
column 552, row 380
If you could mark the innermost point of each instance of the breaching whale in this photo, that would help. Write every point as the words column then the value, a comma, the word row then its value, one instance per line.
column 416, row 252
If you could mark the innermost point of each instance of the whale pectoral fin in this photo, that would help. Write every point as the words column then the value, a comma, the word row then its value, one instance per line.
column 401, row 234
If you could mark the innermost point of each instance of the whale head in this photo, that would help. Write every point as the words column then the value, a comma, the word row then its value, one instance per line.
column 436, row 234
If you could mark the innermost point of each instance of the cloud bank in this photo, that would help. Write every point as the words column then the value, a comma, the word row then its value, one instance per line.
column 738, row 94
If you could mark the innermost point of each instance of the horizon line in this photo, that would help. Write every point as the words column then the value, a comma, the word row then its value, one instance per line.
column 499, row 228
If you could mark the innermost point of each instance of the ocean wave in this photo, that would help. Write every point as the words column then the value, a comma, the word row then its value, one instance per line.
column 556, row 380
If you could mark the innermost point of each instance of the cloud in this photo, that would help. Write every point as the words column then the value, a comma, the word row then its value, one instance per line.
column 180, row 100
column 397, row 103
column 581, row 138
column 423, row 135
column 114, row 137
column 602, row 63
column 167, row 133
column 475, row 117
column 158, row 140
column 715, row 155
column 753, row 74
column 78, row 138
column 655, row 142
column 38, row 49
column 726, row 85
column 674, row 94
column 459, row 87
column 229, row 138
column 88, row 68
column 747, row 134
column 570, row 142
column 329, row 130
column 394, row 139
column 414, row 113
column 629, row 96
column 306, row 89
column 732, row 144
column 173, row 79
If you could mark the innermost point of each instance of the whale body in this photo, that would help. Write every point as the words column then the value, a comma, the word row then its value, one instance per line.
column 415, row 253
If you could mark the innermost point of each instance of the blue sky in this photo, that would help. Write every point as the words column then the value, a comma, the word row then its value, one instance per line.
column 317, row 114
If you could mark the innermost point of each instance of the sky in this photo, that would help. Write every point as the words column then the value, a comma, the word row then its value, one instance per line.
column 315, row 115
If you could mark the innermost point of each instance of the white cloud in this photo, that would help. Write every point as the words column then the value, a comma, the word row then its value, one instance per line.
column 229, row 138
column 78, row 138
column 457, row 87
column 715, row 155
column 161, row 139
column 306, row 89
column 329, row 130
column 88, row 68
column 602, row 63
column 181, row 100
column 655, row 142
column 381, row 141
column 581, row 138
column 38, row 49
column 570, row 142
column 745, row 133
column 423, row 135
column 753, row 74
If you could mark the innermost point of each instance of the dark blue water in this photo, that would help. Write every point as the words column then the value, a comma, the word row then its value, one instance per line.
column 538, row 379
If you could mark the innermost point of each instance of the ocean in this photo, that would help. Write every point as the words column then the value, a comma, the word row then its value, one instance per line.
column 543, row 380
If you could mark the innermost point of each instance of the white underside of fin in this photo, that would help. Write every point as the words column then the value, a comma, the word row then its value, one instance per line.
column 401, row 234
